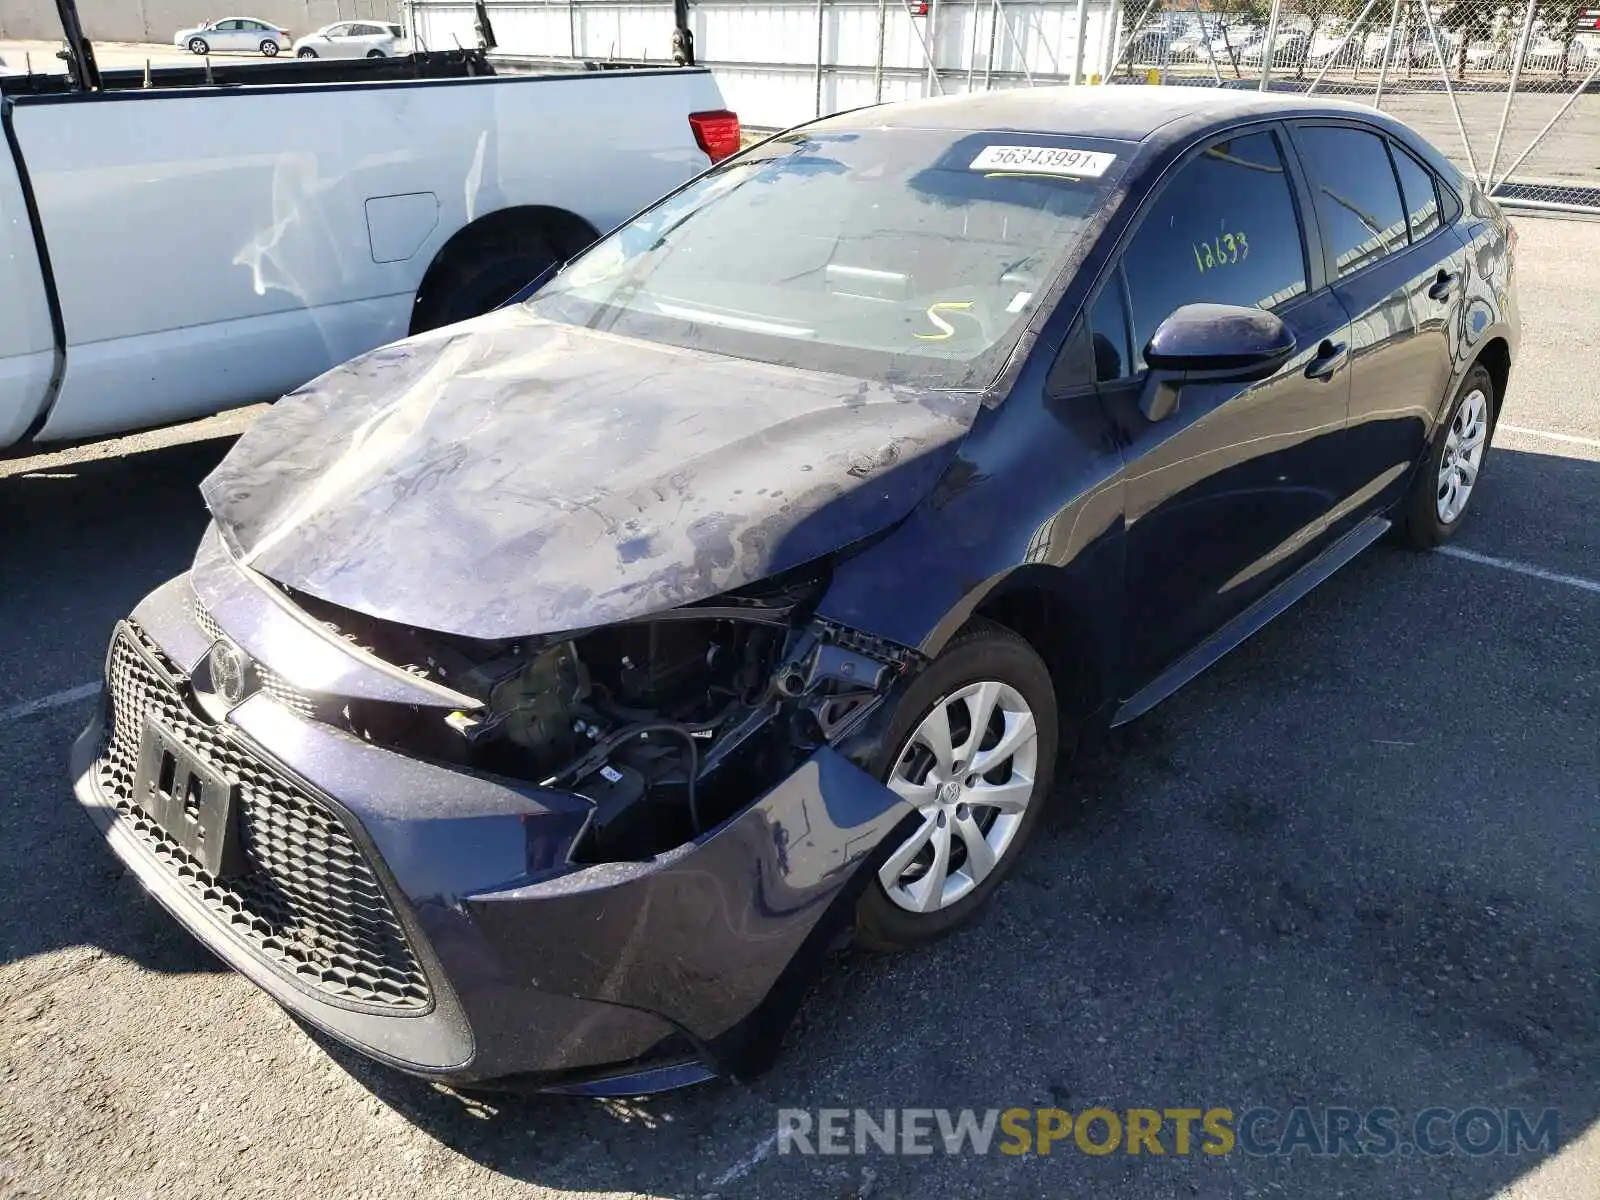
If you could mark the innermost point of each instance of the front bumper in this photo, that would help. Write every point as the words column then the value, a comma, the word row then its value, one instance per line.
column 428, row 917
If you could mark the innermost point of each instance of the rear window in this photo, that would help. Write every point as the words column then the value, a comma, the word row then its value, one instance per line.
column 912, row 255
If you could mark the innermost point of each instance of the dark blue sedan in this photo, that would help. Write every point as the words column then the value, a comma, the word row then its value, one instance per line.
column 553, row 689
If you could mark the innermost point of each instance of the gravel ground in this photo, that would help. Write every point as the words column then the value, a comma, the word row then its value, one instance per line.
column 1353, row 865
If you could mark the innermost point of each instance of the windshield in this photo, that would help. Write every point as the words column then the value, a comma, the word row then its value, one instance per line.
column 910, row 255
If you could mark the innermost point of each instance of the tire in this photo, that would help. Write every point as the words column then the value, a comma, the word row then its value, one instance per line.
column 269, row 48
column 1432, row 513
column 199, row 46
column 305, row 52
column 480, row 275
column 375, row 54
column 983, row 654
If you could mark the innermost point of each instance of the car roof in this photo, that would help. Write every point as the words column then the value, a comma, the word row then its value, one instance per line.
column 1130, row 114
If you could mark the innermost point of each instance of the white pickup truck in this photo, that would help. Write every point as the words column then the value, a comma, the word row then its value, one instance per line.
column 178, row 243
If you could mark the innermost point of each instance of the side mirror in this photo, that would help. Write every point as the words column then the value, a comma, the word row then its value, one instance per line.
column 1210, row 342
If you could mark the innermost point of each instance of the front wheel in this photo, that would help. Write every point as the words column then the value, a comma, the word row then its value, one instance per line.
column 269, row 48
column 198, row 46
column 305, row 52
column 1449, row 474
column 974, row 747
column 374, row 53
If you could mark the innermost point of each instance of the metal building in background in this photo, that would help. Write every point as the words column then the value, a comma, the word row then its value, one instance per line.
column 1508, row 88
column 781, row 62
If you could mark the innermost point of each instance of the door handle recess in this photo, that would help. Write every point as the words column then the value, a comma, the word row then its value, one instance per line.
column 1330, row 357
column 1443, row 284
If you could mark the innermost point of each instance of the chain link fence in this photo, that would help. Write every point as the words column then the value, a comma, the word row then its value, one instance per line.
column 1508, row 90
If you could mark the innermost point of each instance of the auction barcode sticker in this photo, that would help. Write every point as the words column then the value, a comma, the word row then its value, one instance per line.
column 1044, row 160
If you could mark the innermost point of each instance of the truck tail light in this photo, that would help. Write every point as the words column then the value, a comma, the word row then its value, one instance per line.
column 717, row 133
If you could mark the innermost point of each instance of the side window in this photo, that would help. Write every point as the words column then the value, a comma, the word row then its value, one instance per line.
column 1358, row 200
column 1223, row 231
column 1097, row 349
column 1108, row 333
column 1417, row 190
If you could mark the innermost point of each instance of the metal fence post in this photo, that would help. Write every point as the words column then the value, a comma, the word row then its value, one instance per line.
column 1388, row 51
column 1511, row 91
column 933, row 47
column 1083, row 33
column 1339, row 49
column 1016, row 44
column 819, row 57
column 994, row 27
column 1205, row 40
column 1551, row 123
column 877, row 67
column 1455, row 107
column 972, row 49
column 1268, row 44
column 1108, row 56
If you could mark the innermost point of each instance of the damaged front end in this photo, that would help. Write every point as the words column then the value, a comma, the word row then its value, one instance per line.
column 610, row 856
column 666, row 725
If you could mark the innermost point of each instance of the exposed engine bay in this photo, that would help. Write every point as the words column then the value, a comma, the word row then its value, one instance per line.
column 667, row 725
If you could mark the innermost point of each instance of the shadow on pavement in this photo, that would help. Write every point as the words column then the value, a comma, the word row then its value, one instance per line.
column 86, row 541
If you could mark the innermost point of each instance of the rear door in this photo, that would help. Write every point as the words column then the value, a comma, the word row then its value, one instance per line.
column 1398, row 270
column 369, row 38
column 1230, row 493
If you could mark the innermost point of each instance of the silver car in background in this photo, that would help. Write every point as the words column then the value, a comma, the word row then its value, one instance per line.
column 239, row 35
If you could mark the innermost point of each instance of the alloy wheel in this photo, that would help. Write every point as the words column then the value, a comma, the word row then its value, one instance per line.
column 1463, row 455
column 970, row 768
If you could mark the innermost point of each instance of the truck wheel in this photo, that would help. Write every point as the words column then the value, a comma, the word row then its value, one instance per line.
column 269, row 48
column 305, row 52
column 479, row 276
column 198, row 46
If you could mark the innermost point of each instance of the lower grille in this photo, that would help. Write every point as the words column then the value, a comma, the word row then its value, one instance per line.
column 307, row 899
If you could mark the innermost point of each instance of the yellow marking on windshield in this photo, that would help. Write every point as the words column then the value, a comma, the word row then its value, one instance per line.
column 946, row 330
column 1029, row 175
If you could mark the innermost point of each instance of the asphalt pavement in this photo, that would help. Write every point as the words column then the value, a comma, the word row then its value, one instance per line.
column 1353, row 865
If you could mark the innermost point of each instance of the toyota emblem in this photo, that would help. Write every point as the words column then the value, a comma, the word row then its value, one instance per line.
column 230, row 671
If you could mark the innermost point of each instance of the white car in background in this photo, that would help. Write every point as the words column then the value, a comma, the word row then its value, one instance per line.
column 354, row 39
column 244, row 35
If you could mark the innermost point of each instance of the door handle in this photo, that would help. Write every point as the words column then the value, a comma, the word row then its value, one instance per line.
column 1330, row 357
column 1443, row 284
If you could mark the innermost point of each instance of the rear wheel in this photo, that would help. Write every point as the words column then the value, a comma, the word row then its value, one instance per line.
column 974, row 746
column 1449, row 474
column 269, row 48
column 199, row 46
column 374, row 53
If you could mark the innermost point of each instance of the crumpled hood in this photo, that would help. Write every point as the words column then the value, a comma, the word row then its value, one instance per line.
column 512, row 476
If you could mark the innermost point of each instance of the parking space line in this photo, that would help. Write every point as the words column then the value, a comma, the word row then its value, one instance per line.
column 1521, row 568
column 1554, row 437
column 748, row 1163
column 55, row 700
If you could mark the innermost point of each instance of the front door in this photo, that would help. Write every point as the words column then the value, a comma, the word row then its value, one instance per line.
column 1232, row 492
